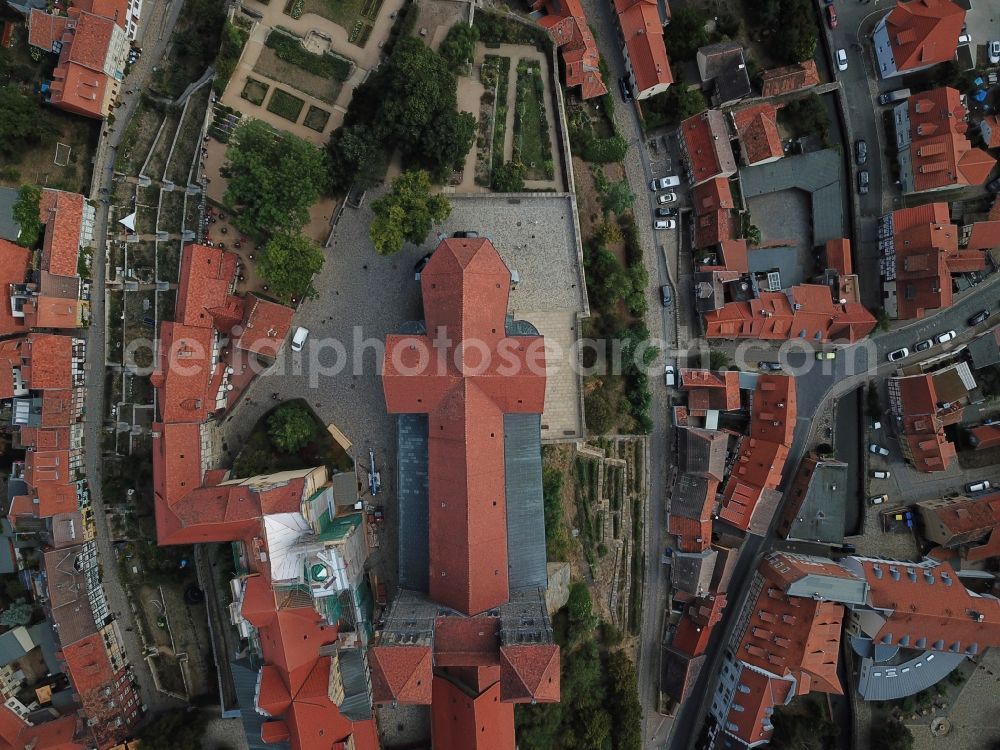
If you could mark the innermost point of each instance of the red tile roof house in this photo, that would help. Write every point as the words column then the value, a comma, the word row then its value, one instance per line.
column 483, row 559
column 970, row 524
column 92, row 53
column 922, row 416
column 18, row 734
column 714, row 222
column 934, row 150
column 757, row 130
column 566, row 23
column 705, row 146
column 921, row 255
column 644, row 52
column 750, row 495
column 916, row 35
column 788, row 79
column 300, row 553
column 685, row 656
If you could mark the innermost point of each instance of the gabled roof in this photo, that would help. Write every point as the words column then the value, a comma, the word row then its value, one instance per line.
column 45, row 29
column 707, row 143
column 14, row 261
column 465, row 722
column 90, row 41
column 401, row 674
column 265, row 325
column 205, row 282
column 789, row 78
column 62, row 214
column 838, row 256
column 924, row 32
column 642, row 31
column 757, row 127
column 49, row 361
column 566, row 23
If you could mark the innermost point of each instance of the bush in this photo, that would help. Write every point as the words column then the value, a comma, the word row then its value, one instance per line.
column 290, row 50
column 672, row 106
column 508, row 178
column 233, row 40
column 686, row 33
column 285, row 105
column 459, row 45
column 292, row 427
column 26, row 213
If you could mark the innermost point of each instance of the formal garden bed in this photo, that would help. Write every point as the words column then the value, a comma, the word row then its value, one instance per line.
column 354, row 16
column 322, row 87
column 532, row 146
column 289, row 48
column 316, row 119
column 497, row 71
column 254, row 91
column 285, row 105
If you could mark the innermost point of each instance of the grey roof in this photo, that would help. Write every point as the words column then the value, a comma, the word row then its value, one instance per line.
column 411, row 483
column 525, row 512
column 688, row 499
column 10, row 646
column 819, row 173
column 831, row 588
column 357, row 705
column 692, row 571
column 821, row 515
column 679, row 672
column 789, row 262
column 702, row 452
column 9, row 229
column 709, row 293
column 245, row 682
column 43, row 636
column 345, row 489
column 984, row 350
column 881, row 682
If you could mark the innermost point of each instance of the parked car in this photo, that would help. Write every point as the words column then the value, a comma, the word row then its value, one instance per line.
column 468, row 234
column 770, row 366
column 665, row 224
column 831, row 16
column 889, row 97
column 626, row 88
column 993, row 50
column 876, row 425
column 669, row 376
column 978, row 318
column 863, row 179
column 666, row 211
column 418, row 267
column 826, row 355
column 861, row 151
column 878, row 499
column 899, row 354
column 665, row 297
column 841, row 60
column 981, row 486
column 878, row 450
column 942, row 338
column 881, row 474
column 299, row 338
column 664, row 182
column 923, row 346
column 670, row 197
column 847, row 549
column 964, row 39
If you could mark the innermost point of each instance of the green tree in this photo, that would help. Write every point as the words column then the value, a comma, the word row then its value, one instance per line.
column 617, row 198
column 177, row 730
column 459, row 45
column 580, row 606
column 508, row 178
column 292, row 427
column 674, row 105
column 600, row 407
column 27, row 216
column 624, row 704
column 806, row 116
column 355, row 157
column 891, row 735
column 686, row 33
column 288, row 262
column 273, row 179
column 18, row 613
column 21, row 122
column 406, row 213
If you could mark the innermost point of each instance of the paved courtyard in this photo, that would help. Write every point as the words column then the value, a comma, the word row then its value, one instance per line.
column 784, row 221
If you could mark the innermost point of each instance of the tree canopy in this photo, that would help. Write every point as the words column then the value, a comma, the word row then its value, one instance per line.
column 355, row 157
column 410, row 104
column 177, row 730
column 273, row 179
column 458, row 47
column 406, row 213
column 292, row 427
column 685, row 33
column 288, row 262
column 791, row 27
column 18, row 613
column 21, row 121
column 26, row 213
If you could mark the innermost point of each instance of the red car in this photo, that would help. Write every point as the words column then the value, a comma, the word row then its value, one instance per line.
column 831, row 16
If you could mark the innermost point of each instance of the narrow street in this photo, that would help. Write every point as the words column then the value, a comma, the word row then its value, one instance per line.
column 157, row 27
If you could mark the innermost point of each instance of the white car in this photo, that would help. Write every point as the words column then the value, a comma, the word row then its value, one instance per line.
column 664, row 182
column 878, row 450
column 664, row 224
column 878, row 499
column 899, row 354
column 993, row 50
column 666, row 197
column 299, row 338
column 881, row 474
column 941, row 338
column 841, row 60
column 980, row 486
column 669, row 376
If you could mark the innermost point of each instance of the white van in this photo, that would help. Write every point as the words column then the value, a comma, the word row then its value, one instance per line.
column 664, row 182
column 299, row 338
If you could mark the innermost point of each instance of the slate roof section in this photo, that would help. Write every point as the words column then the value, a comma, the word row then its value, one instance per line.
column 525, row 511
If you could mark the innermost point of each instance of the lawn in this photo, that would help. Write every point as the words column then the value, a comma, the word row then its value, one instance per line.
column 316, row 119
column 341, row 12
column 254, row 91
column 285, row 105
column 270, row 65
column 260, row 456
column 531, row 132
column 290, row 49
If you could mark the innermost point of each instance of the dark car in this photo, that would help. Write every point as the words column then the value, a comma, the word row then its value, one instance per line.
column 922, row 346
column 831, row 16
column 993, row 185
column 979, row 317
column 861, row 151
column 626, row 88
column 770, row 366
column 419, row 265
column 466, row 235
column 666, row 212
column 863, row 182
column 665, row 297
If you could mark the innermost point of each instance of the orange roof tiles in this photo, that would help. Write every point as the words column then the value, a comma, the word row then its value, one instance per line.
column 17, row 734
column 14, row 262
column 90, row 41
column 642, row 31
column 757, row 127
column 465, row 287
column 50, row 359
column 184, row 371
column 838, row 256
column 923, row 423
column 465, row 722
column 750, row 716
column 924, row 32
column 695, row 627
column 62, row 214
column 45, row 29
column 116, row 10
column 529, row 673
column 566, row 23
column 785, row 80
column 706, row 139
column 401, row 674
column 205, row 283
column 265, row 326
column 711, row 390
column 985, row 436
column 713, row 205
column 52, row 312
